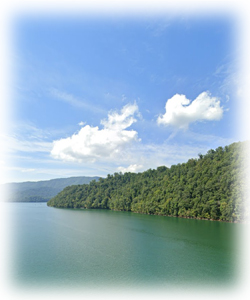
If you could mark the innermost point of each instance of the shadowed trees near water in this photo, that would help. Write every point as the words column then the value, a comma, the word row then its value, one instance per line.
column 209, row 187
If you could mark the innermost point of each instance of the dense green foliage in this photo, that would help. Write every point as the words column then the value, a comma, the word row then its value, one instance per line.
column 210, row 187
column 41, row 191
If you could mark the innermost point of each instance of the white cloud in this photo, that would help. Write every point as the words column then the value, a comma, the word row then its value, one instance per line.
column 121, row 121
column 27, row 170
column 73, row 101
column 68, row 98
column 180, row 111
column 132, row 168
column 33, row 144
column 92, row 143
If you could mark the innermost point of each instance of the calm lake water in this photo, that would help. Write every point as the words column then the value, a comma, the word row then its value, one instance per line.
column 99, row 247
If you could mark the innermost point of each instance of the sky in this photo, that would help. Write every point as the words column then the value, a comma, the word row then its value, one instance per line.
column 91, row 96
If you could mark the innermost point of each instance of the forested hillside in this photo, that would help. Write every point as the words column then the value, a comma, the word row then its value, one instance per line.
column 41, row 191
column 209, row 187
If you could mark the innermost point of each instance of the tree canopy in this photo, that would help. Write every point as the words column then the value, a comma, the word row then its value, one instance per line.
column 208, row 187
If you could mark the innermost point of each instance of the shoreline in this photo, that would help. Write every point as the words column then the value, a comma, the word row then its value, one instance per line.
column 170, row 216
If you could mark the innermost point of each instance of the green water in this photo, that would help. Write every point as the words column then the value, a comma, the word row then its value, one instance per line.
column 107, row 248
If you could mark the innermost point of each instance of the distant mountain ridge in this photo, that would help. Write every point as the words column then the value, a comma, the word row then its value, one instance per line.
column 42, row 191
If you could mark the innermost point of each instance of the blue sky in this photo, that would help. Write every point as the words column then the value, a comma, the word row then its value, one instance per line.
column 98, row 95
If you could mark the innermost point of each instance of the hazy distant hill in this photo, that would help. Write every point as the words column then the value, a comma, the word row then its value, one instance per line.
column 42, row 191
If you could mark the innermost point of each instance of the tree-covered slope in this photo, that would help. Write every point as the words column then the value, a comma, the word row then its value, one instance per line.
column 209, row 187
column 42, row 191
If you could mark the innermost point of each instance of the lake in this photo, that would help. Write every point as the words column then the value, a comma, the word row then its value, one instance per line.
column 74, row 247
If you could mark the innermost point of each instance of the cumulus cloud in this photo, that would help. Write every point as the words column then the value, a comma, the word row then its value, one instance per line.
column 180, row 111
column 123, row 120
column 132, row 168
column 92, row 143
